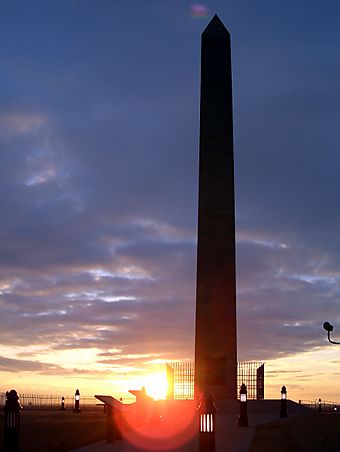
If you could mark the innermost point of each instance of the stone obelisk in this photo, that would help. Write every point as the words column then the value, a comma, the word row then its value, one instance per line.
column 215, row 343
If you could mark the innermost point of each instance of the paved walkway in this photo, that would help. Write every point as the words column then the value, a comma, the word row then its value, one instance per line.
column 229, row 437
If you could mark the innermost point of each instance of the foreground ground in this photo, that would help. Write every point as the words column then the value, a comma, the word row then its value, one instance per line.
column 64, row 431
column 307, row 433
column 48, row 431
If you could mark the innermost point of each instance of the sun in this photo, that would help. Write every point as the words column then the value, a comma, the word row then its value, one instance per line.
column 156, row 385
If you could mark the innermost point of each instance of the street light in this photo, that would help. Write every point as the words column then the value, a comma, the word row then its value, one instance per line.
column 328, row 327
column 283, row 412
column 206, row 410
column 243, row 417
column 76, row 402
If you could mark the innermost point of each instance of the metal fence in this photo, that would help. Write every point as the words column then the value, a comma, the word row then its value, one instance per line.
column 53, row 402
column 326, row 405
column 251, row 373
column 182, row 379
column 181, row 376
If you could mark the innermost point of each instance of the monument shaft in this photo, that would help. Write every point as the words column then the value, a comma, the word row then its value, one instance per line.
column 215, row 343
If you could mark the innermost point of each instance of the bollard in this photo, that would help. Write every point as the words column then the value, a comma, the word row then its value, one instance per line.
column 62, row 404
column 12, row 422
column 206, row 410
column 283, row 411
column 319, row 409
column 76, row 402
column 243, row 417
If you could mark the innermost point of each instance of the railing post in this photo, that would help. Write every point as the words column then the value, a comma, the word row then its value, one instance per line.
column 12, row 422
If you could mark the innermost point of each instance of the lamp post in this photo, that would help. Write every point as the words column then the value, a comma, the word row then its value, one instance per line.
column 12, row 422
column 329, row 328
column 243, row 417
column 283, row 411
column 76, row 402
column 206, row 410
column 62, row 404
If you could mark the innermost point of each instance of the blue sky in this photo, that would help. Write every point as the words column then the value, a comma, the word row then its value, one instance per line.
column 99, row 123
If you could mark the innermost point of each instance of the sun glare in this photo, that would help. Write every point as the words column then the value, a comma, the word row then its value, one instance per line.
column 156, row 385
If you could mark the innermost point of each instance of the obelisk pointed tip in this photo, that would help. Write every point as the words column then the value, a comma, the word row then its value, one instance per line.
column 215, row 26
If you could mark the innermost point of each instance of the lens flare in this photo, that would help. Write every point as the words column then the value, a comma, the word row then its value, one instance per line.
column 161, row 425
column 153, row 423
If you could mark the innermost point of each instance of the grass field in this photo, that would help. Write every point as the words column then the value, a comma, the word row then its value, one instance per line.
column 58, row 431
column 307, row 433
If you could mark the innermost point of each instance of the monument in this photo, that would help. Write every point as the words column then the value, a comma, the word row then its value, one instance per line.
column 215, row 341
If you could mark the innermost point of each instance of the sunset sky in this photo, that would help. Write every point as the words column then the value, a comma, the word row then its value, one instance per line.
column 99, row 119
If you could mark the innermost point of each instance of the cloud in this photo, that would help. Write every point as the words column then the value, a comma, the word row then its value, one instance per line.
column 21, row 365
column 18, row 123
column 98, row 181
